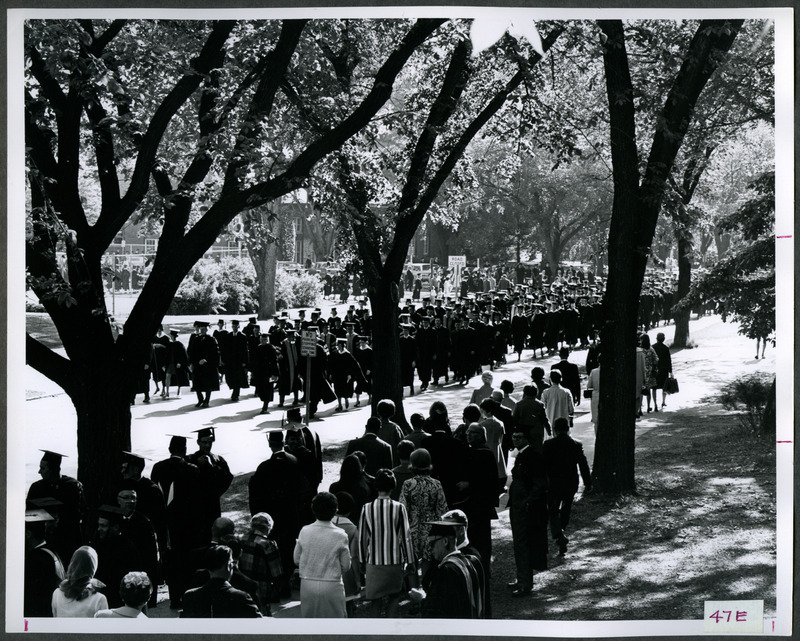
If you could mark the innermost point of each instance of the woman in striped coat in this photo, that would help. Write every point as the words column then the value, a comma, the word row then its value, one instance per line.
column 385, row 547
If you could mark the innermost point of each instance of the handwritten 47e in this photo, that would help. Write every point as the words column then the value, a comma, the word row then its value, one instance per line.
column 741, row 615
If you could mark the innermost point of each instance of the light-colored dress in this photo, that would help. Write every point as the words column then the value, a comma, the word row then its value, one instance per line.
column 64, row 607
column 323, row 556
column 594, row 384
column 125, row 612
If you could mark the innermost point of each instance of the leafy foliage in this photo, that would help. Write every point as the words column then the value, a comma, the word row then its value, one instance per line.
column 742, row 284
column 296, row 289
column 227, row 286
column 750, row 396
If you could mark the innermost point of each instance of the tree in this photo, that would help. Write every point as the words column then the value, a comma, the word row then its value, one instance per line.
column 180, row 103
column 741, row 284
column 736, row 97
column 388, row 180
column 637, row 203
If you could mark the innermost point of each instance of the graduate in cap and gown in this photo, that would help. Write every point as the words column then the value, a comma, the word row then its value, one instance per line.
column 214, row 478
column 204, row 359
column 67, row 535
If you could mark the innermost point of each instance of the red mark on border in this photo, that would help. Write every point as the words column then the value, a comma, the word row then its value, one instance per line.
column 773, row 626
column 26, row 625
column 787, row 236
column 783, row 441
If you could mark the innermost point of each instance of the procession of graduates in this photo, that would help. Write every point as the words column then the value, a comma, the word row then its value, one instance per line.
column 408, row 521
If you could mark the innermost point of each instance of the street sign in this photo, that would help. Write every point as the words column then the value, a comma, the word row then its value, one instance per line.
column 460, row 261
column 308, row 345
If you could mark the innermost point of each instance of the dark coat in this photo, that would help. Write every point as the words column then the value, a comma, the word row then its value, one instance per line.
column 479, row 502
column 563, row 458
column 205, row 377
column 213, row 479
column 264, row 368
column 364, row 358
column 447, row 456
column 571, row 378
column 177, row 362
column 344, row 372
column 41, row 579
column 68, row 536
column 116, row 556
column 379, row 452
column 408, row 358
column 177, row 479
column 217, row 599
column 276, row 487
column 531, row 413
column 150, row 502
column 235, row 353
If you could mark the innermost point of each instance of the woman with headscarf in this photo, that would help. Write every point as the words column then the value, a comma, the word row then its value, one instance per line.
column 424, row 499
column 79, row 594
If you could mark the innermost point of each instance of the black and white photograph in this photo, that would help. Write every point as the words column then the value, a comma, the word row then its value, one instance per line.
column 402, row 315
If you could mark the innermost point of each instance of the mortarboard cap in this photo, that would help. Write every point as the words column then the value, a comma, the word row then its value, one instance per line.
column 275, row 436
column 173, row 332
column 177, row 441
column 53, row 458
column 134, row 457
column 37, row 515
column 111, row 512
column 201, row 324
column 235, row 322
column 47, row 503
column 293, row 415
column 442, row 528
column 205, row 432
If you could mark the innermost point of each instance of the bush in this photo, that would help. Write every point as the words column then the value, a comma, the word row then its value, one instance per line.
column 296, row 289
column 214, row 287
column 750, row 396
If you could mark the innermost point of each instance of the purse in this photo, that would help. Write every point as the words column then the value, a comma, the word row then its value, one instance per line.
column 587, row 393
column 671, row 385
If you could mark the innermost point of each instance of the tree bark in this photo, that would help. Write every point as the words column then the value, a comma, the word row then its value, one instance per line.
column 264, row 255
column 633, row 223
column 386, row 382
column 681, row 339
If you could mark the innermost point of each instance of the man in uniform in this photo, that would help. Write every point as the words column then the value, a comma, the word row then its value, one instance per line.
column 204, row 360
column 67, row 536
column 213, row 479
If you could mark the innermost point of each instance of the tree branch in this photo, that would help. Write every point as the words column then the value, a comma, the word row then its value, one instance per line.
column 54, row 366
column 107, row 226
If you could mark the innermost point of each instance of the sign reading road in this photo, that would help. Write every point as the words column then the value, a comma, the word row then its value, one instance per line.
column 308, row 345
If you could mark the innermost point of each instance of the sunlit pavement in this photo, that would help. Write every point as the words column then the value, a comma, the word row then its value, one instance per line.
column 50, row 421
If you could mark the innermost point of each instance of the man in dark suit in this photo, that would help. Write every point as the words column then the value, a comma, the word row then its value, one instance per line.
column 149, row 497
column 217, row 598
column 530, row 413
column 527, row 503
column 448, row 455
column 570, row 376
column 377, row 451
column 563, row 457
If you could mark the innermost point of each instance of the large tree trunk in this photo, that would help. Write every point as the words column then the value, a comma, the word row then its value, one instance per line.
column 265, row 261
column 633, row 224
column 684, row 284
column 104, row 431
column 386, row 383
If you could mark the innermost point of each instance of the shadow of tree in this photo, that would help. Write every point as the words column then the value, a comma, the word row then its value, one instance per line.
column 701, row 526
